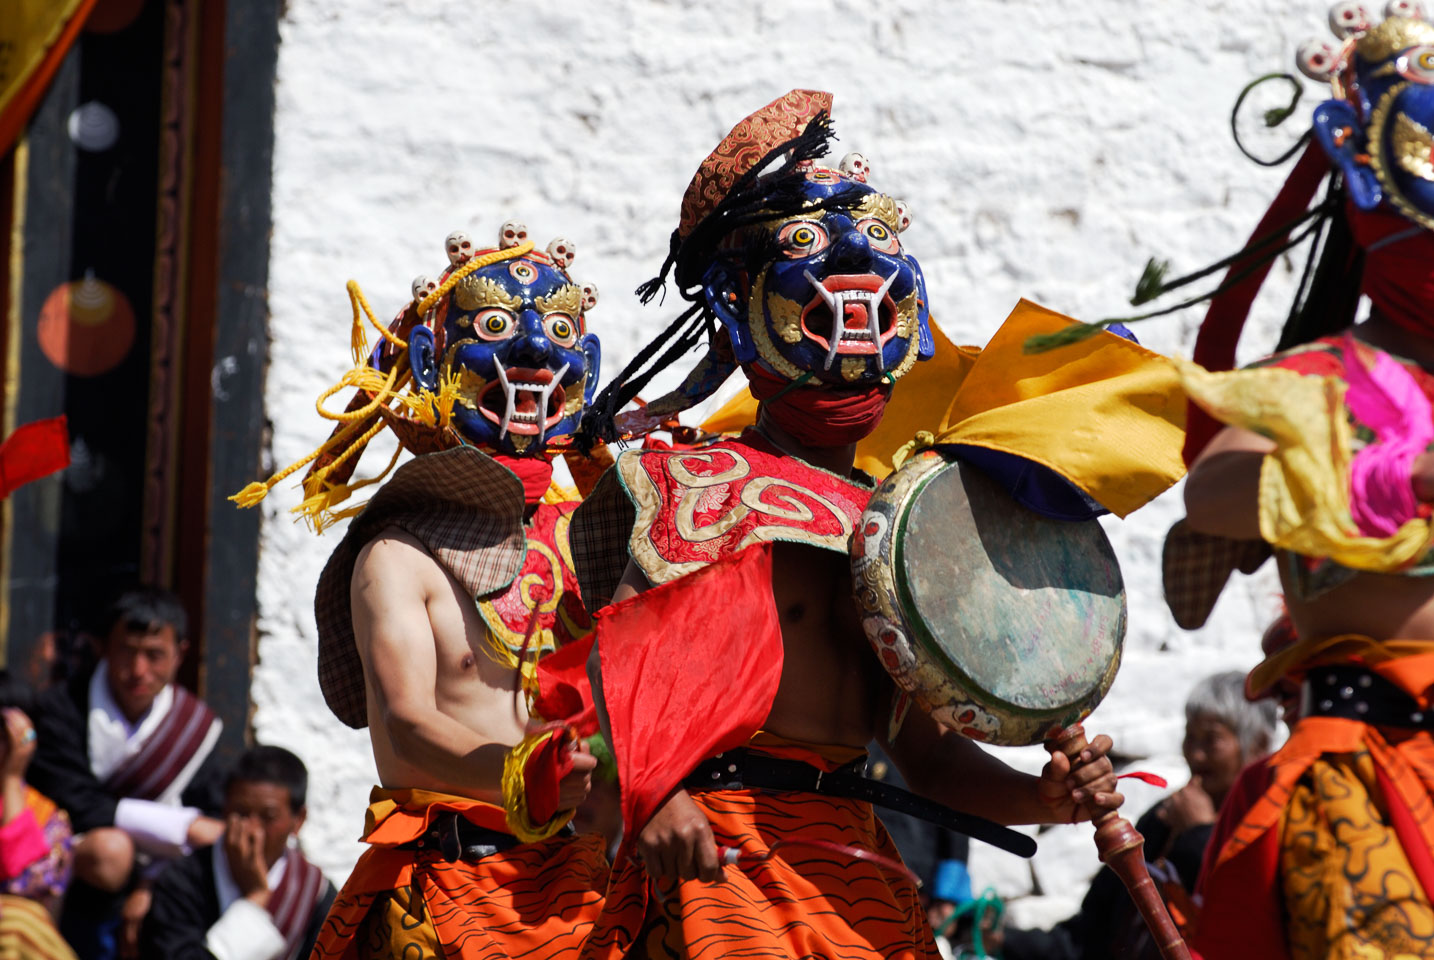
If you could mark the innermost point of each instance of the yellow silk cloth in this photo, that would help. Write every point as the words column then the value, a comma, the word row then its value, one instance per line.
column 33, row 34
column 1304, row 483
column 1105, row 413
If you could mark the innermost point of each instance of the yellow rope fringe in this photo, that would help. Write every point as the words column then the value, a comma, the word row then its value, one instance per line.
column 256, row 491
column 366, row 378
column 358, row 341
column 557, row 493
column 515, row 793
column 317, row 508
column 477, row 263
column 434, row 410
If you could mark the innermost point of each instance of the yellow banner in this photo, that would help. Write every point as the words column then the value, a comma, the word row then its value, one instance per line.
column 1105, row 413
column 29, row 30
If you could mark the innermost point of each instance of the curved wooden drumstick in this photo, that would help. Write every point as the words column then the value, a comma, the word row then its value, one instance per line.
column 1122, row 848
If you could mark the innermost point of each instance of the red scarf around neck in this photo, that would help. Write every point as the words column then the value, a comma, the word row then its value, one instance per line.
column 535, row 472
column 819, row 416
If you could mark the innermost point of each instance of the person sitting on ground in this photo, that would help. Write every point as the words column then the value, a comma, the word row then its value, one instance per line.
column 35, row 835
column 35, row 838
column 128, row 754
column 252, row 896
column 1223, row 732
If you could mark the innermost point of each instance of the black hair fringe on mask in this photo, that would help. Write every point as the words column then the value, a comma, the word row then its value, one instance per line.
column 756, row 196
column 1329, row 290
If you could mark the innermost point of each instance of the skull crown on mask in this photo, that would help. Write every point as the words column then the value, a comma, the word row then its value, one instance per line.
column 510, row 337
column 831, row 294
column 1378, row 128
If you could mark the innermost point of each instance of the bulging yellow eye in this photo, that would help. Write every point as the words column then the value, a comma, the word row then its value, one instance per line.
column 879, row 235
column 801, row 238
column 560, row 328
column 1417, row 65
column 493, row 323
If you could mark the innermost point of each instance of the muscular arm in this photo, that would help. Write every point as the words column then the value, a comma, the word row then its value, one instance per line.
column 948, row 768
column 944, row 766
column 394, row 581
column 1223, row 489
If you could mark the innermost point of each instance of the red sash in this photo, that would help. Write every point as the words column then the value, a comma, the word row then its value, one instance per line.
column 166, row 752
column 293, row 901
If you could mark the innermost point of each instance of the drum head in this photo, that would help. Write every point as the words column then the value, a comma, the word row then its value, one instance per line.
column 1004, row 624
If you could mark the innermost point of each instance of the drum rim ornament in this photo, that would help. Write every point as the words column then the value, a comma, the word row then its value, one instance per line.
column 908, row 651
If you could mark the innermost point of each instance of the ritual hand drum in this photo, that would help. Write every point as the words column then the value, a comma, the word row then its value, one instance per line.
column 1003, row 624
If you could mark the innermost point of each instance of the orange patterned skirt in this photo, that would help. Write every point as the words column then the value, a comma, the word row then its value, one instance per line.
column 801, row 902
column 1349, row 888
column 1325, row 851
column 535, row 900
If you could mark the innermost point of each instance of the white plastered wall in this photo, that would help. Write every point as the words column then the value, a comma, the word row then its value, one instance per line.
column 1046, row 148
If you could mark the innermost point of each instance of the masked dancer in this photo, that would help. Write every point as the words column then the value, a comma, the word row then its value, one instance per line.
column 734, row 670
column 1318, row 452
column 447, row 586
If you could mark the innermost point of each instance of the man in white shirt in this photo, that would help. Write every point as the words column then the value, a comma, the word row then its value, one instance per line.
column 252, row 896
column 128, row 754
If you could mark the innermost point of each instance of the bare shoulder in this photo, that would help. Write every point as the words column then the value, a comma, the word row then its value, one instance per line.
column 395, row 555
column 633, row 582
column 1235, row 440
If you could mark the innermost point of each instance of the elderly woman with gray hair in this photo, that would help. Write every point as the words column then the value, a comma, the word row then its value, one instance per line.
column 1224, row 731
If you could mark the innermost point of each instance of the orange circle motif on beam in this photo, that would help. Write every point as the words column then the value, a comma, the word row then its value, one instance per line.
column 86, row 327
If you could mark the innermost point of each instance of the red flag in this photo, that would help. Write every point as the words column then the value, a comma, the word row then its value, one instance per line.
column 689, row 669
column 564, row 692
column 33, row 451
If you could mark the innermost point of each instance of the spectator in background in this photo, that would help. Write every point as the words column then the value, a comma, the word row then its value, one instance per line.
column 35, row 839
column 128, row 754
column 1223, row 732
column 252, row 896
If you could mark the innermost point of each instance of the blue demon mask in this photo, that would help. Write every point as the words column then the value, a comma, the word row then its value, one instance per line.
column 512, row 336
column 1379, row 128
column 828, row 292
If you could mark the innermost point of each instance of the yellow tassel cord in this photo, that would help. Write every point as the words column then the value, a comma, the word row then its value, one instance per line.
column 258, row 490
column 515, row 793
column 434, row 410
column 318, row 507
column 387, row 402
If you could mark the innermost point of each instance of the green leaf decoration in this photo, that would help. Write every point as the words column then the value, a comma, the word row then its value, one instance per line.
column 1278, row 115
column 1151, row 283
column 1044, row 342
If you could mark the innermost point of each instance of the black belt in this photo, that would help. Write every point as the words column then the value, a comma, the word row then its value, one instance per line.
column 744, row 769
column 456, row 838
column 1354, row 693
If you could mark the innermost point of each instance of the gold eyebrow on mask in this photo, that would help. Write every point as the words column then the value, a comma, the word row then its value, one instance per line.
column 478, row 293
